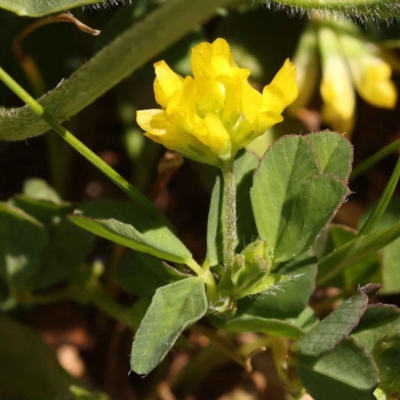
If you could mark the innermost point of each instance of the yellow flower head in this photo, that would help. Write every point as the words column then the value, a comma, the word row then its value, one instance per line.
column 215, row 113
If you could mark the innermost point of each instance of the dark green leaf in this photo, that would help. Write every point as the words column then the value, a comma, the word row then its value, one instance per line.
column 68, row 246
column 22, row 241
column 334, row 153
column 332, row 330
column 133, row 227
column 251, row 323
column 377, row 315
column 142, row 274
column 173, row 309
column 21, row 380
column 288, row 297
column 346, row 373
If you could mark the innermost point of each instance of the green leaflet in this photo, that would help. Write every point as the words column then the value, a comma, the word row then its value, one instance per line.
column 334, row 153
column 133, row 227
column 22, row 241
column 347, row 373
column 143, row 274
column 292, row 197
column 68, row 244
column 173, row 309
column 322, row 338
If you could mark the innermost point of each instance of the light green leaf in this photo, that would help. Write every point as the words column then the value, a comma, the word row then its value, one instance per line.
column 39, row 8
column 308, row 213
column 173, row 309
column 285, row 166
column 39, row 189
column 333, row 329
column 142, row 274
column 346, row 373
column 334, row 153
column 292, row 200
column 133, row 227
column 22, row 242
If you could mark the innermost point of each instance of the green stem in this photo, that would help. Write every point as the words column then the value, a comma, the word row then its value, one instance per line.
column 378, row 156
column 371, row 7
column 384, row 200
column 96, row 295
column 75, row 143
column 207, row 277
column 230, row 217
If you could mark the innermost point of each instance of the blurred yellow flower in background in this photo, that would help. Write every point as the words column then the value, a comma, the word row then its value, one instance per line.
column 209, row 117
column 350, row 63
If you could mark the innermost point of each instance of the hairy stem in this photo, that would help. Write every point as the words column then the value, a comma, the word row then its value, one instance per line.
column 230, row 217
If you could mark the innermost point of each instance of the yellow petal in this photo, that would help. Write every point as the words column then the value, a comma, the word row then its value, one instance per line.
column 273, row 99
column 251, row 102
column 213, row 59
column 337, row 92
column 212, row 133
column 166, row 83
column 371, row 74
column 374, row 84
column 285, row 80
column 159, row 129
column 201, row 60
column 220, row 47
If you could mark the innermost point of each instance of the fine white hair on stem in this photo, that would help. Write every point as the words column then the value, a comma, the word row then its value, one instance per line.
column 370, row 13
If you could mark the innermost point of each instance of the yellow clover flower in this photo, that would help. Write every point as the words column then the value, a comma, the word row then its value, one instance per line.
column 350, row 63
column 215, row 113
